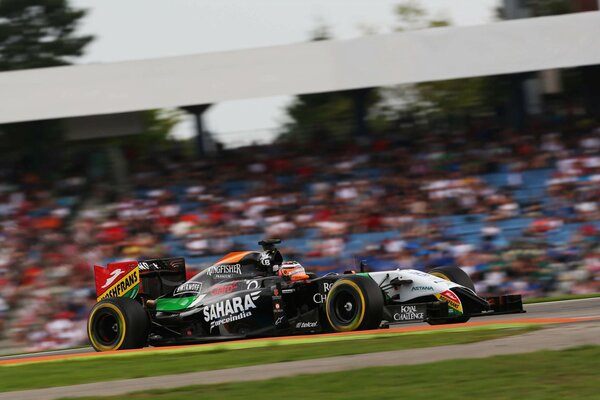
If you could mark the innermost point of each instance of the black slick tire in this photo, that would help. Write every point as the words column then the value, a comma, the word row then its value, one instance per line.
column 456, row 275
column 118, row 323
column 354, row 302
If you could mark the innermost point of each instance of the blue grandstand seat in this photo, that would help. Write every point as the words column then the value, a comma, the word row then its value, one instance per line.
column 514, row 223
column 236, row 188
column 354, row 246
column 301, row 245
column 203, row 261
column 373, row 237
column 309, row 262
column 537, row 177
column 499, row 179
column 251, row 240
column 463, row 229
column 311, row 233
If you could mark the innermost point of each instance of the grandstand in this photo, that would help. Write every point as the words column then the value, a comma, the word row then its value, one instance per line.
column 508, row 219
column 520, row 214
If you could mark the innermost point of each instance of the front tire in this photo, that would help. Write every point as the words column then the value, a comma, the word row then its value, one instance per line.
column 456, row 275
column 118, row 323
column 354, row 303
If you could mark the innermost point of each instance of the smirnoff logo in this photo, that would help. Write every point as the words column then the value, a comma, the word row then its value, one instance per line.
column 188, row 287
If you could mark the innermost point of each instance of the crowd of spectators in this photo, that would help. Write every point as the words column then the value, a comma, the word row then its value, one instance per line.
column 330, row 203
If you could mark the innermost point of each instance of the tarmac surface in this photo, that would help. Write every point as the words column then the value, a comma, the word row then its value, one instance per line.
column 554, row 337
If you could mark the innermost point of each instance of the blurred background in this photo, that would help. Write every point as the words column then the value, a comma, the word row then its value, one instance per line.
column 499, row 174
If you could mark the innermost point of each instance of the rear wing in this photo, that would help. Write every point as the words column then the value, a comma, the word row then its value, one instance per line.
column 161, row 276
column 120, row 279
column 148, row 278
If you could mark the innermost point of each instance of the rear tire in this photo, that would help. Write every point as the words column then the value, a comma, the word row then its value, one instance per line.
column 456, row 275
column 354, row 303
column 118, row 323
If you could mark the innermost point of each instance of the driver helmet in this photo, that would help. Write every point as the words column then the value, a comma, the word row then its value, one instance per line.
column 292, row 270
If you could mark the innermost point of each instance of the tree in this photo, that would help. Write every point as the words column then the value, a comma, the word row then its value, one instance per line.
column 541, row 8
column 154, row 139
column 447, row 100
column 39, row 33
column 322, row 116
column 36, row 34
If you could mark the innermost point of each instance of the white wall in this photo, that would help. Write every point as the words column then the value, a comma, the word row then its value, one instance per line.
column 433, row 54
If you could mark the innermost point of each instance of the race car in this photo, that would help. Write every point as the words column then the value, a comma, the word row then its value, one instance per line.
column 257, row 294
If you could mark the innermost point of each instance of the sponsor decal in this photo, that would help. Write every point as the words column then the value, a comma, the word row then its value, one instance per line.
column 252, row 285
column 121, row 288
column 320, row 298
column 158, row 264
column 111, row 278
column 147, row 266
column 225, row 270
column 408, row 313
column 452, row 300
column 224, row 289
column 265, row 259
column 234, row 309
column 307, row 324
column 421, row 288
column 279, row 320
column 188, row 288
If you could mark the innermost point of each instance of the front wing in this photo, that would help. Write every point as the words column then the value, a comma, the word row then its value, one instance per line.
column 440, row 311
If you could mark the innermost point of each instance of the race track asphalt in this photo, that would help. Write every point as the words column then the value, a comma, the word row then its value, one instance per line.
column 583, row 308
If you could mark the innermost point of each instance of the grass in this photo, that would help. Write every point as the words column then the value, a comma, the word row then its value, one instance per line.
column 137, row 365
column 567, row 374
column 560, row 298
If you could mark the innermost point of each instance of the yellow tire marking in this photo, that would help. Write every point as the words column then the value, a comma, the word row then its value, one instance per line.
column 440, row 275
column 121, row 324
column 362, row 301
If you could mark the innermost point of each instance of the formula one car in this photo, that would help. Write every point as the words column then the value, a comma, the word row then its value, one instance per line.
column 256, row 294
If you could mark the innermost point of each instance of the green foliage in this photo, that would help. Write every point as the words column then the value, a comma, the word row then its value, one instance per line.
column 542, row 8
column 411, row 16
column 321, row 32
column 461, row 97
column 36, row 34
column 321, row 115
column 154, row 137
column 441, row 99
column 551, row 7
column 39, row 33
